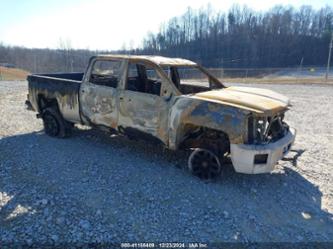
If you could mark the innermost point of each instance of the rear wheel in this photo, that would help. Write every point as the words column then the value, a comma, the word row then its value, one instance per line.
column 54, row 123
column 204, row 164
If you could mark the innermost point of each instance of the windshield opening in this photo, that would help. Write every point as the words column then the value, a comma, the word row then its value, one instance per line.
column 191, row 79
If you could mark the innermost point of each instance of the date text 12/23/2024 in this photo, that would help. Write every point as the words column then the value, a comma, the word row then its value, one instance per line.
column 164, row 245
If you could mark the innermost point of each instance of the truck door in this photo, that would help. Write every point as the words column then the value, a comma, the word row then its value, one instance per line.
column 98, row 93
column 143, row 112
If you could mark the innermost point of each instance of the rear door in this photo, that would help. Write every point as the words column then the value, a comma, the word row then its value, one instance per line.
column 99, row 93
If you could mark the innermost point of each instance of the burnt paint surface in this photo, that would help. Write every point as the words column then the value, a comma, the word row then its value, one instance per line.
column 98, row 105
column 63, row 90
column 138, row 114
column 145, row 112
column 188, row 112
column 168, row 117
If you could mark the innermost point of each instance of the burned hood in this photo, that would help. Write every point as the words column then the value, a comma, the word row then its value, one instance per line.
column 261, row 101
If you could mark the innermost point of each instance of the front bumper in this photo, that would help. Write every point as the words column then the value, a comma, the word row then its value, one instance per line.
column 256, row 159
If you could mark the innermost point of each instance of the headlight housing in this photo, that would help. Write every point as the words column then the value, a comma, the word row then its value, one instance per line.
column 262, row 130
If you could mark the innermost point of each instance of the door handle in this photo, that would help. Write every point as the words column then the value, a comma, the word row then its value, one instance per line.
column 122, row 99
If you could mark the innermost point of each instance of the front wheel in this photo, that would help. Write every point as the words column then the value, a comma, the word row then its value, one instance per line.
column 54, row 123
column 204, row 164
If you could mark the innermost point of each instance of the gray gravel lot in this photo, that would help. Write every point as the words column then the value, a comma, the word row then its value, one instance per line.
column 96, row 188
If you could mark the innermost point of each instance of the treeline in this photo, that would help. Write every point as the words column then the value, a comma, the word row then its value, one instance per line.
column 46, row 60
column 281, row 37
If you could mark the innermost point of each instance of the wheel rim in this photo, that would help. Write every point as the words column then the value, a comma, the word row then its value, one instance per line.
column 204, row 164
column 51, row 125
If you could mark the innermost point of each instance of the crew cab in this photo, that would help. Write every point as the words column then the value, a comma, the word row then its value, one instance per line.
column 170, row 101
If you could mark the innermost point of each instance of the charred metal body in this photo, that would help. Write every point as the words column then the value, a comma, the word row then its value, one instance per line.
column 59, row 89
column 146, row 97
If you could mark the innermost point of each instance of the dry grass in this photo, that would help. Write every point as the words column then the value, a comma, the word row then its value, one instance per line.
column 12, row 74
column 280, row 80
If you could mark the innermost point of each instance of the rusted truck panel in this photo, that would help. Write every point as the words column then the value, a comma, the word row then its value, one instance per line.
column 195, row 112
column 64, row 92
column 149, row 97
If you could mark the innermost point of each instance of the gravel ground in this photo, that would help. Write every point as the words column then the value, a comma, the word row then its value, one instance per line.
column 96, row 188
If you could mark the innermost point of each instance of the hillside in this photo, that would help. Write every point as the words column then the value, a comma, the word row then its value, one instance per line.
column 12, row 73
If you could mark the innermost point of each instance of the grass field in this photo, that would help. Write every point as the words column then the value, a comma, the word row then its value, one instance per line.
column 12, row 73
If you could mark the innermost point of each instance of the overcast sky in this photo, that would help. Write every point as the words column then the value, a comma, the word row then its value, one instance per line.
column 102, row 24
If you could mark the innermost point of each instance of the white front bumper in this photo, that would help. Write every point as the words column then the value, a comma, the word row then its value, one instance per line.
column 243, row 155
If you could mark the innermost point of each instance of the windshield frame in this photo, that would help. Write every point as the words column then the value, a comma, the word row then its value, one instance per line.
column 214, row 83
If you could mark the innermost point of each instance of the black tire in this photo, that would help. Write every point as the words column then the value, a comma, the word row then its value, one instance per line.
column 204, row 164
column 54, row 123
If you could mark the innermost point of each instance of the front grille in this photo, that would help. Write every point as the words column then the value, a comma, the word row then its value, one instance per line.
column 262, row 130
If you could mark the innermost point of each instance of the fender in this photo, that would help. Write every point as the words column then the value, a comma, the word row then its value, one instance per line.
column 200, row 113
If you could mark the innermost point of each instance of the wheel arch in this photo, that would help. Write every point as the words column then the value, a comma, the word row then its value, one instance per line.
column 195, row 136
column 44, row 102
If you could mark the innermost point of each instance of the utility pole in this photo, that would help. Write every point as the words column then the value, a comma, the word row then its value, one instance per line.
column 329, row 58
column 299, row 75
column 301, row 65
column 35, row 63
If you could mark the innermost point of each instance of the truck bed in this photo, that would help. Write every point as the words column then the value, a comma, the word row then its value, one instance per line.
column 62, row 87
column 63, row 76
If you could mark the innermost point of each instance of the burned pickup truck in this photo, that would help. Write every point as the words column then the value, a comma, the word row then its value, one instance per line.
column 171, row 101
